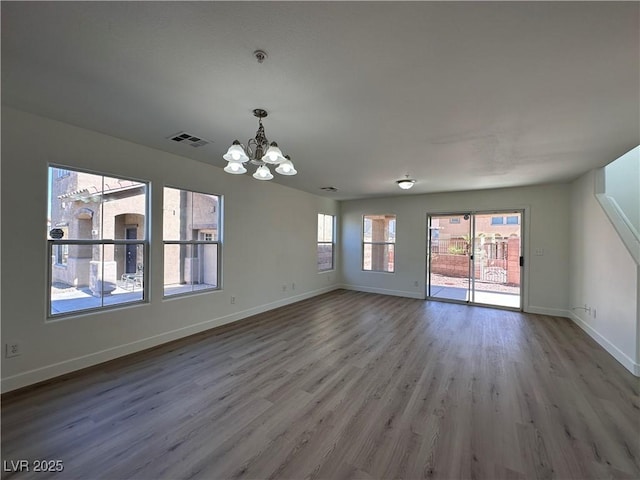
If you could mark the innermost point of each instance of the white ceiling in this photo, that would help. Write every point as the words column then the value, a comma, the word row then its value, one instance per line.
column 459, row 96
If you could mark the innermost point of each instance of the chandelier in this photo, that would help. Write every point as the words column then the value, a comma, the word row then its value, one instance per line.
column 258, row 151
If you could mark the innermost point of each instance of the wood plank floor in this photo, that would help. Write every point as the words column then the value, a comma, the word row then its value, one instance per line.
column 344, row 385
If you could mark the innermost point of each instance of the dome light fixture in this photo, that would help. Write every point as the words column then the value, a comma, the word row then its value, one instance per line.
column 406, row 183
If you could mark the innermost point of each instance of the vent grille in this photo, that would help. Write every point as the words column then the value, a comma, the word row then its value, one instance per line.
column 189, row 139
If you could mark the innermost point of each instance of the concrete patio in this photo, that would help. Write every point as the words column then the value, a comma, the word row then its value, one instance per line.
column 70, row 299
column 452, row 288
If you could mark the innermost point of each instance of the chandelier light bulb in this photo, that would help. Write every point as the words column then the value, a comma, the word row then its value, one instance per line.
column 263, row 173
column 286, row 167
column 236, row 153
column 235, row 168
column 273, row 154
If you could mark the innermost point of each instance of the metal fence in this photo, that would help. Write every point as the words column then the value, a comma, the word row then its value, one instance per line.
column 450, row 257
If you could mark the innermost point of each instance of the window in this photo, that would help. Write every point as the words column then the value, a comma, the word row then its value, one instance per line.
column 510, row 220
column 378, row 246
column 326, row 240
column 97, row 243
column 191, row 225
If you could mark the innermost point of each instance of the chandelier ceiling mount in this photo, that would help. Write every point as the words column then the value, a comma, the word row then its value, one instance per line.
column 258, row 151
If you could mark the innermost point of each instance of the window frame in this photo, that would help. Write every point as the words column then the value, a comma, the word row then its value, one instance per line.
column 62, row 172
column 54, row 244
column 61, row 252
column 332, row 243
column 387, row 243
column 194, row 243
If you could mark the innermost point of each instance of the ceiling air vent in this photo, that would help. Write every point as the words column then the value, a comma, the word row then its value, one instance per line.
column 188, row 139
column 329, row 189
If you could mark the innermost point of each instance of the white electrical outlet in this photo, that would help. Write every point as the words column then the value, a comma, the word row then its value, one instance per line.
column 12, row 349
column 415, row 284
column 293, row 286
column 233, row 300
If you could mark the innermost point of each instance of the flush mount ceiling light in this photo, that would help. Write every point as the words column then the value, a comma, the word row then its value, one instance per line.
column 258, row 150
column 405, row 183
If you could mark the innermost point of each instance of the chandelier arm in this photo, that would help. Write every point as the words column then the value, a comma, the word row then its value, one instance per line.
column 248, row 148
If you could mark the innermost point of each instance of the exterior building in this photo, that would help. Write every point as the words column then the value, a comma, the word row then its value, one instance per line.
column 497, row 247
column 488, row 226
column 88, row 207
column 93, row 209
column 190, row 216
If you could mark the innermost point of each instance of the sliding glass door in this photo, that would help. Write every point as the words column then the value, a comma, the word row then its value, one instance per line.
column 475, row 258
column 450, row 257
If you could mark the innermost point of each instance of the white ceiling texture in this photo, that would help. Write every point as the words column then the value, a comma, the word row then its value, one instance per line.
column 460, row 96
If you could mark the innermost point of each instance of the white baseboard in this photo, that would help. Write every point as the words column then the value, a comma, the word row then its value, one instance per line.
column 552, row 312
column 61, row 368
column 384, row 291
column 614, row 351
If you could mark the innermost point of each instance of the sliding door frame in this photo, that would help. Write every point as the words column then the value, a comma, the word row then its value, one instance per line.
column 523, row 211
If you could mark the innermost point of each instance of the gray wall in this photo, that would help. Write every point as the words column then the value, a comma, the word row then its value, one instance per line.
column 546, row 227
column 270, row 234
column 604, row 276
